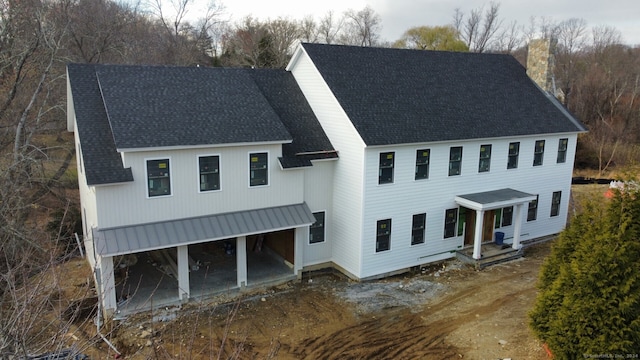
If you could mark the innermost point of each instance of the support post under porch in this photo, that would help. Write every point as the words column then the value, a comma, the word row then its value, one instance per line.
column 241, row 260
column 183, row 273
column 517, row 229
column 477, row 237
column 106, row 284
column 301, row 236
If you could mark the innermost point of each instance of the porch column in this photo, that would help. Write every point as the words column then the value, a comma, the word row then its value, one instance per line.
column 241, row 260
column 517, row 228
column 183, row 273
column 107, row 285
column 301, row 238
column 477, row 236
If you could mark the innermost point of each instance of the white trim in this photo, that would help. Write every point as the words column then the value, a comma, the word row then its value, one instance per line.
column 146, row 177
column 198, row 156
column 203, row 146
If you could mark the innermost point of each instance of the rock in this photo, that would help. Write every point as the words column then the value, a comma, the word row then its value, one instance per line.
column 263, row 299
column 503, row 343
column 148, row 343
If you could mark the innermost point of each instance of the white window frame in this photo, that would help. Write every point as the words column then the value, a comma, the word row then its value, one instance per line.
column 146, row 177
column 198, row 173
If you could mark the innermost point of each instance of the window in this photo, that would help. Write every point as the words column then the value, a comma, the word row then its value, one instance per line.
column 158, row 178
column 385, row 173
column 450, row 218
column 562, row 150
column 316, row 230
column 485, row 158
column 418, row 228
column 209, row 168
column 538, row 153
column 455, row 160
column 422, row 164
column 258, row 169
column 383, row 235
column 532, row 212
column 555, row 203
column 507, row 216
column 514, row 151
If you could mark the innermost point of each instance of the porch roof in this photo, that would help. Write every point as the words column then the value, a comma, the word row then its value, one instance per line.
column 495, row 199
column 166, row 234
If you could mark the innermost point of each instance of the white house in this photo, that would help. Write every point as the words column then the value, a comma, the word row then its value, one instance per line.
column 367, row 160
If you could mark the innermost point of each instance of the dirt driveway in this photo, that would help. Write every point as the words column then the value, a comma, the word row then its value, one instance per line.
column 448, row 311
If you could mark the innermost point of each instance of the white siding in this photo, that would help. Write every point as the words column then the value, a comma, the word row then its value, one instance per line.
column 347, row 193
column 318, row 194
column 406, row 196
column 128, row 203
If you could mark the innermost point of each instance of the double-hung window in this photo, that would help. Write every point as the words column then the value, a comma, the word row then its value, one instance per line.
column 514, row 151
column 532, row 211
column 209, row 169
column 507, row 216
column 258, row 169
column 385, row 171
column 455, row 160
column 485, row 158
column 158, row 178
column 418, row 228
column 555, row 203
column 316, row 230
column 538, row 153
column 383, row 235
column 422, row 164
column 450, row 220
column 562, row 150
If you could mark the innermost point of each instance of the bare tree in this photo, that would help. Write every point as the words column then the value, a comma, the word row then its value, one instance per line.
column 309, row 30
column 361, row 28
column 329, row 28
column 478, row 30
column 283, row 33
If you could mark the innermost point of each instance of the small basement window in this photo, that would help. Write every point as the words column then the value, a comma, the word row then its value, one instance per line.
column 158, row 178
column 258, row 169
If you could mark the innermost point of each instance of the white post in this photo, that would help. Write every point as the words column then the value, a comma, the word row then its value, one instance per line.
column 517, row 228
column 241, row 260
column 477, row 236
column 107, row 285
column 183, row 273
column 301, row 237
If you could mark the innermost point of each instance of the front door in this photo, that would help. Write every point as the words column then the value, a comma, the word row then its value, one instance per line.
column 470, row 226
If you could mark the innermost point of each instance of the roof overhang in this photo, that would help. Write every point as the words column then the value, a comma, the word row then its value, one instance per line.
column 495, row 199
column 167, row 234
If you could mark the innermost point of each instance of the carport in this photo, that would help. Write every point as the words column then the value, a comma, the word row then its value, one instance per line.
column 192, row 256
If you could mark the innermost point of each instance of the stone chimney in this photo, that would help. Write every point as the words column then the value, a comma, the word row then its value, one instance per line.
column 541, row 63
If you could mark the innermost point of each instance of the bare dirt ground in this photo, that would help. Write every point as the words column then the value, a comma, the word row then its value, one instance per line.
column 446, row 311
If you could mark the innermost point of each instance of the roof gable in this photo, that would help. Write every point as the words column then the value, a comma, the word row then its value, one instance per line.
column 395, row 96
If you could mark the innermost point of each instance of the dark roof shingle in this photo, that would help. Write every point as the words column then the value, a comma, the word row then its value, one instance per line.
column 397, row 96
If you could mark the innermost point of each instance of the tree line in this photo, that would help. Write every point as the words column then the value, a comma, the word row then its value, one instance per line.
column 598, row 77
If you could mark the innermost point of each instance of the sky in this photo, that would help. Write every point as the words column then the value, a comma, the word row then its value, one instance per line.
column 400, row 15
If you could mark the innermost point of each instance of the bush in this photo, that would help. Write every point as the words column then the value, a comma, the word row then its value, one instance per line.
column 589, row 299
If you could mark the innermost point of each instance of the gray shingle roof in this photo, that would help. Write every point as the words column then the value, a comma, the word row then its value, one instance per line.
column 397, row 96
column 153, row 106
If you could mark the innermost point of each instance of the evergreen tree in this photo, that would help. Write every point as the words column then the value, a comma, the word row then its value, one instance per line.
column 589, row 299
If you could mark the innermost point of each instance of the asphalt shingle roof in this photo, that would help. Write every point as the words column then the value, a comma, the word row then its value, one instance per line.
column 397, row 96
column 122, row 107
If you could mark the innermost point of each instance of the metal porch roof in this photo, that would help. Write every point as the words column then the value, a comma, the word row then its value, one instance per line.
column 160, row 235
column 494, row 199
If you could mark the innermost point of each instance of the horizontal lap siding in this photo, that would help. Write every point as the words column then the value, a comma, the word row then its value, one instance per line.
column 406, row 196
column 346, row 218
column 127, row 204
column 318, row 194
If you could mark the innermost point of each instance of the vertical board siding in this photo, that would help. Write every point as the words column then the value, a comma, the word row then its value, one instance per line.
column 406, row 196
column 347, row 183
column 127, row 204
column 318, row 194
